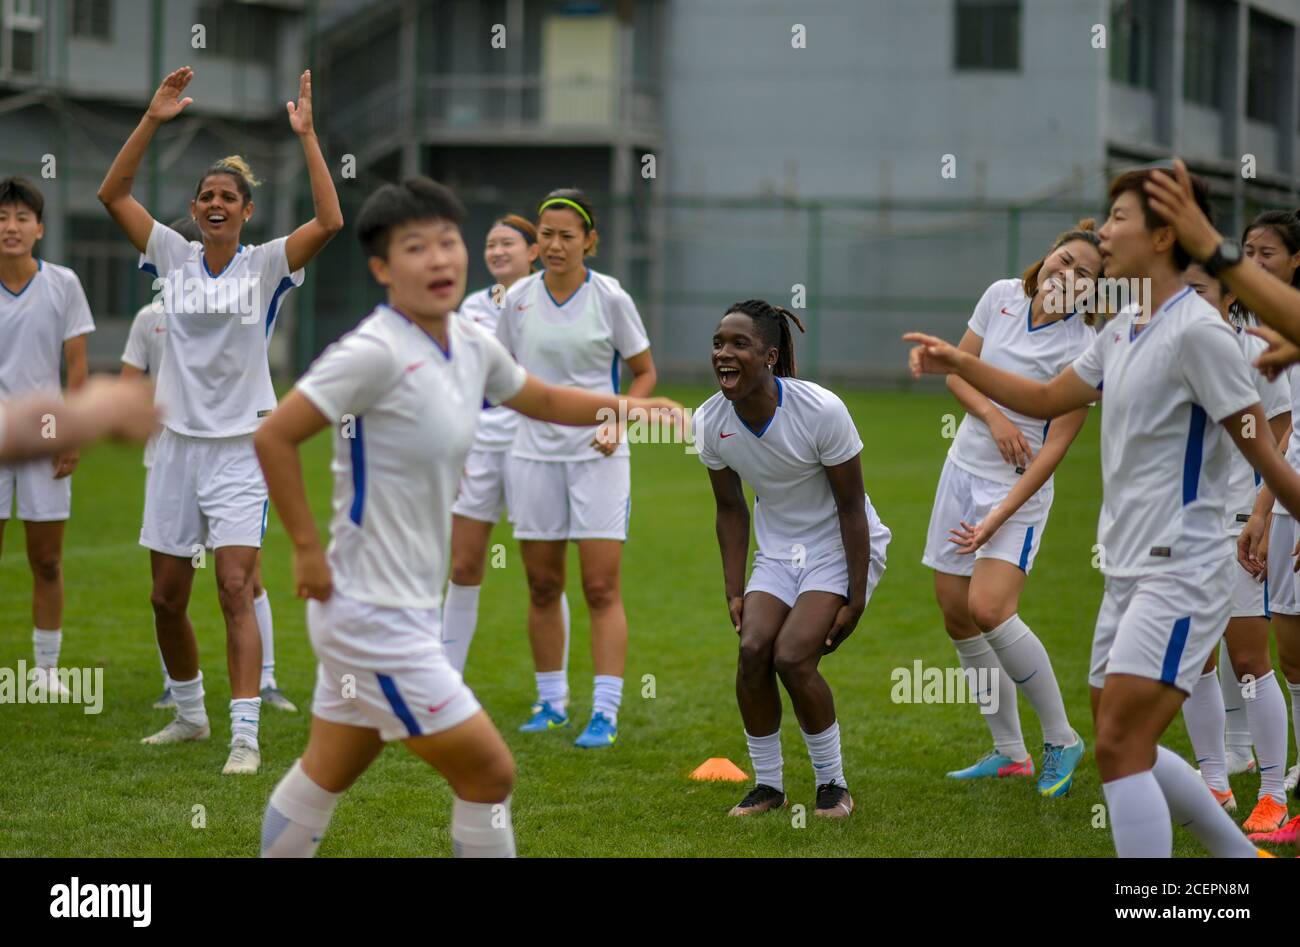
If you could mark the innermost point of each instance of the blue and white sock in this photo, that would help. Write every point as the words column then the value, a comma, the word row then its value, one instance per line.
column 824, row 749
column 297, row 816
column 46, row 645
column 245, row 713
column 765, row 752
column 553, row 687
column 607, row 695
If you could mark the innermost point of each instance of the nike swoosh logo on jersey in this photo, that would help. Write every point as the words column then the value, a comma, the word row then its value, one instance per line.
column 160, row 328
column 522, row 306
column 434, row 710
column 1007, row 312
column 411, row 368
column 732, row 434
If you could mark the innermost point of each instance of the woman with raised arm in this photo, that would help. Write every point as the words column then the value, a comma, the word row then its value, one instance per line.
column 221, row 299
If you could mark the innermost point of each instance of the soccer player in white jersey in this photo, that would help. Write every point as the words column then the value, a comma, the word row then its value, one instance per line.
column 993, row 499
column 44, row 320
column 1177, row 396
column 510, row 252
column 145, row 344
column 1249, row 668
column 403, row 392
column 221, row 299
column 571, row 326
column 821, row 547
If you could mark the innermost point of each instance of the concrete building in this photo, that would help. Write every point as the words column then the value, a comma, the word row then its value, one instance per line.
column 878, row 161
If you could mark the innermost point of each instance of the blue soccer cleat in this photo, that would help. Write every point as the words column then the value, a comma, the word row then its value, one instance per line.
column 166, row 701
column 995, row 765
column 1059, row 763
column 600, row 732
column 544, row 717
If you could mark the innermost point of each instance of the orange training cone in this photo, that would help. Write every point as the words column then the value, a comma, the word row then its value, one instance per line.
column 720, row 768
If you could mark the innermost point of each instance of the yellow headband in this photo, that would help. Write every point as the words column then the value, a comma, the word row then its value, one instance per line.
column 567, row 203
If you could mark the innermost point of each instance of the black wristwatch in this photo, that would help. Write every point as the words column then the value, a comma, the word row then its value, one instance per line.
column 1226, row 254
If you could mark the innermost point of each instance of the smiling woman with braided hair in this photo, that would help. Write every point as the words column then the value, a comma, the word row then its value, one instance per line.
column 821, row 547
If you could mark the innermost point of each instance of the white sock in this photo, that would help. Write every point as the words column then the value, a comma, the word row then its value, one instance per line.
column 1024, row 658
column 189, row 700
column 1139, row 816
column 1005, row 724
column 1203, row 715
column 1295, row 710
column 564, row 610
column 765, row 753
column 1191, row 806
column 1237, row 734
column 262, row 612
column 482, row 829
column 824, row 750
column 553, row 686
column 459, row 620
column 1266, row 714
column 244, row 715
column 297, row 816
column 607, row 695
column 45, row 645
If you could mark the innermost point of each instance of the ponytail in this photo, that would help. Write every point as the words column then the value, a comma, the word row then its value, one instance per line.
column 772, row 324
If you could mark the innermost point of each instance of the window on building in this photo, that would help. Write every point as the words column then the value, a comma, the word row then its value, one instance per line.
column 20, row 30
column 238, row 30
column 1133, row 42
column 1264, row 67
column 91, row 19
column 107, row 266
column 1204, row 59
column 988, row 35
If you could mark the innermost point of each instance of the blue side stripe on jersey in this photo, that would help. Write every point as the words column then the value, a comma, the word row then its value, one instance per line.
column 1046, row 425
column 358, row 475
column 1192, row 456
column 1024, row 550
column 266, row 509
column 389, row 687
column 149, row 268
column 1268, row 612
column 613, row 372
column 39, row 266
column 273, row 310
column 1174, row 651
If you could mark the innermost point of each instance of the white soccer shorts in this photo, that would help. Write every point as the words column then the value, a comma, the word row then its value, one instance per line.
column 384, row 669
column 820, row 572
column 1162, row 626
column 41, row 498
column 962, row 496
column 482, row 494
column 570, row 499
column 203, row 491
column 1249, row 595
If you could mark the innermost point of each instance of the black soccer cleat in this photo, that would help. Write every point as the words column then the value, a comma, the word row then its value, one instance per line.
column 759, row 799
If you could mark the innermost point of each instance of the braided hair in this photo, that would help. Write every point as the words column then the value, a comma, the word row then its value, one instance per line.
column 772, row 323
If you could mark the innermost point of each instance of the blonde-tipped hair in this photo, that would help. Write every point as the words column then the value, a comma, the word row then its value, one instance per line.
column 236, row 167
column 238, row 164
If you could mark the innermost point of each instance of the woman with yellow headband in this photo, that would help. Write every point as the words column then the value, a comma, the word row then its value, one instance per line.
column 571, row 326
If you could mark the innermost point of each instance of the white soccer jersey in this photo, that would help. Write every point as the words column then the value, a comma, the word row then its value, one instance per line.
column 34, row 324
column 1013, row 344
column 578, row 344
column 1164, row 455
column 496, row 426
column 215, row 380
column 144, row 350
column 1275, row 398
column 793, row 504
column 405, row 413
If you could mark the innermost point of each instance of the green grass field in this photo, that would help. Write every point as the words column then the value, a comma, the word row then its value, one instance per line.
column 82, row 785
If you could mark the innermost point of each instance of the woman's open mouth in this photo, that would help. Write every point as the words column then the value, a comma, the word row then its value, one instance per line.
column 728, row 376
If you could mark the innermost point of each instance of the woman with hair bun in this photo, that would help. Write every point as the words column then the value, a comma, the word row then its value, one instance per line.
column 221, row 299
column 993, row 499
